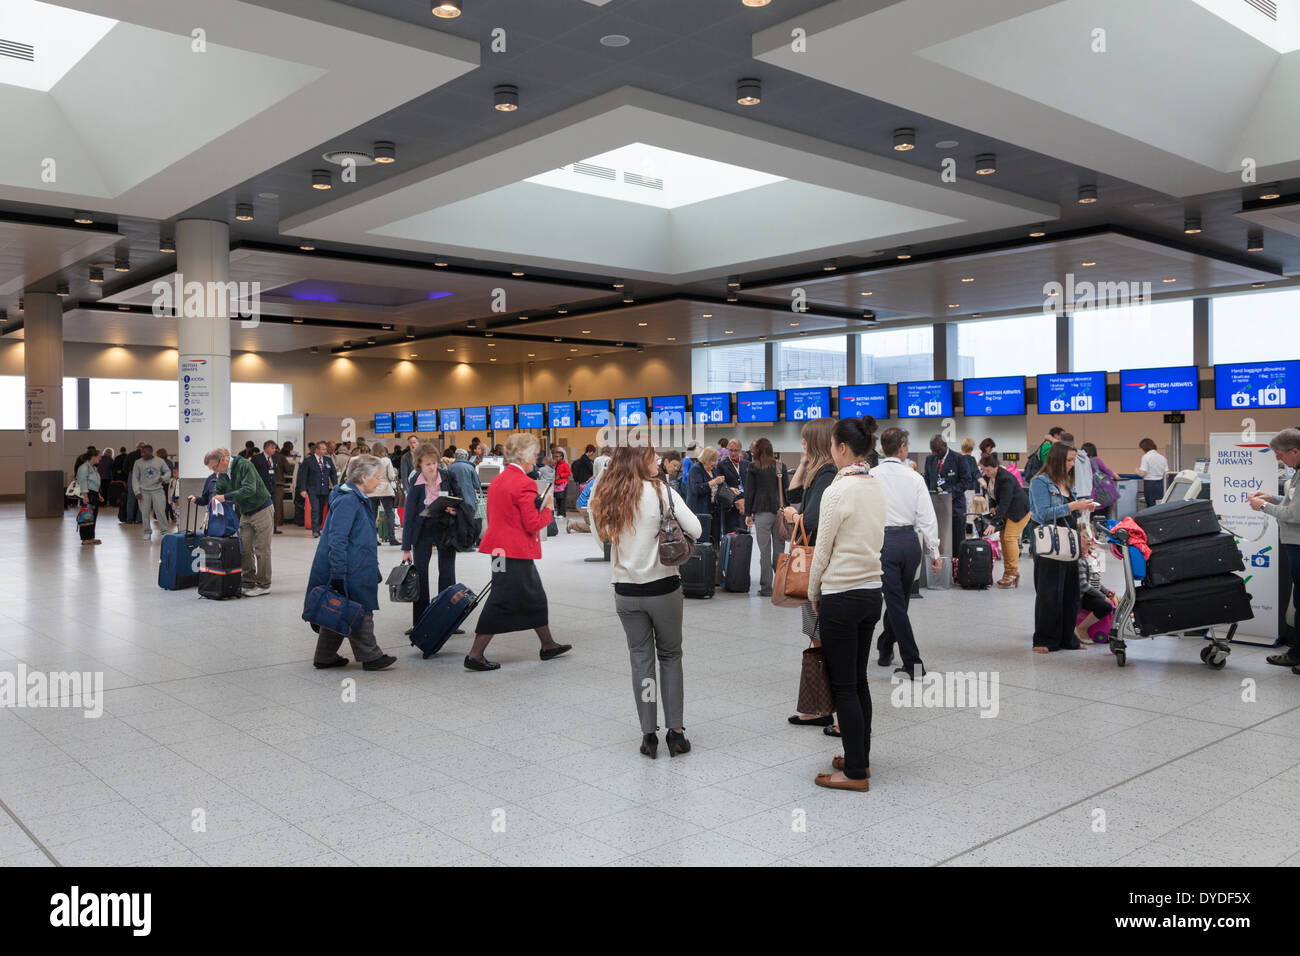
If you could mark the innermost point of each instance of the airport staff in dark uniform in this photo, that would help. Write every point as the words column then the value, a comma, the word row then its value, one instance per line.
column 268, row 465
column 734, row 469
column 316, row 476
column 946, row 470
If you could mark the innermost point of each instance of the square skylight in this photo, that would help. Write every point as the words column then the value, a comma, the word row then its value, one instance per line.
column 1281, row 33
column 653, row 177
column 40, row 43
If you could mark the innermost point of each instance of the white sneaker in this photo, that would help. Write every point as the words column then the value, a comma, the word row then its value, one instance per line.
column 256, row 592
column 148, row 536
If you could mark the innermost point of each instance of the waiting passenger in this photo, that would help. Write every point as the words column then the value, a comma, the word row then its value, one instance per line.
column 89, row 481
column 149, row 477
column 1056, row 583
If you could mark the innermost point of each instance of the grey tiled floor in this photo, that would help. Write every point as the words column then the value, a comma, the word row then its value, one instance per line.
column 213, row 713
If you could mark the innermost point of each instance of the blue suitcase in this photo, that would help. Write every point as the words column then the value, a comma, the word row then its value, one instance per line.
column 180, row 557
column 443, row 615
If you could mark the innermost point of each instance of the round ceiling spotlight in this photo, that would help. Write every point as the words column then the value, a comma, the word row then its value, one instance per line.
column 904, row 253
column 83, row 218
column 122, row 262
column 562, row 310
column 321, row 179
column 1271, row 191
column 619, row 284
column 166, row 245
column 370, row 341
column 732, row 297
column 97, row 275
column 627, row 297
column 447, row 9
column 615, row 40
column 1255, row 242
column 1191, row 225
column 244, row 211
column 749, row 92
column 1087, row 195
column 62, row 289
column 986, row 164
column 829, row 266
column 440, row 263
column 1038, row 233
column 904, row 139
column 348, row 157
column 517, row 272
column 306, row 246
column 385, row 152
column 869, row 315
column 505, row 98
column 733, row 282
column 755, row 3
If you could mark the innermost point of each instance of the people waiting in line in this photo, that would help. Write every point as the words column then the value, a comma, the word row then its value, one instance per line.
column 627, row 511
column 601, row 461
column 809, row 482
column 385, row 495
column 765, row 487
column 105, row 467
column 909, row 511
column 734, row 470
column 702, row 488
column 317, row 477
column 270, row 466
column 422, row 533
column 149, row 477
column 1009, row 508
column 1152, row 469
column 670, row 471
column 1285, row 510
column 239, row 486
column 945, row 470
column 341, row 455
column 844, row 588
column 583, row 466
column 249, row 450
column 89, row 480
column 1056, row 583
column 347, row 561
column 517, row 601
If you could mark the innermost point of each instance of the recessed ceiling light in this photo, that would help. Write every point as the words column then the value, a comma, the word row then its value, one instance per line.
column 440, row 264
column 755, row 3
column 643, row 324
column 385, row 152
column 945, row 144
column 904, row 253
column 1191, row 226
column 794, row 324
column 762, row 338
column 1257, row 285
column 387, row 328
column 306, row 247
column 297, row 321
column 370, row 341
column 451, row 350
column 1037, row 234
column 447, row 9
column 62, row 289
column 586, row 331
column 557, row 339
column 244, row 212
column 562, row 310
column 532, row 354
column 627, row 298
column 491, row 360
column 672, row 338
column 84, row 218
column 516, row 272
column 1087, row 195
column 728, row 331
column 953, row 305
column 976, row 315
column 167, row 245
column 120, row 308
column 1270, row 192
column 986, row 164
column 413, row 355
column 749, row 92
column 967, row 278
column 573, row 350
column 732, row 297
column 706, row 315
column 96, row 275
column 320, row 179
column 122, row 262
column 866, row 293
column 733, row 282
column 1168, row 280
column 1255, row 242
column 618, row 284
column 615, row 40
column 904, row 139
column 829, row 266
column 1088, row 262
column 505, row 98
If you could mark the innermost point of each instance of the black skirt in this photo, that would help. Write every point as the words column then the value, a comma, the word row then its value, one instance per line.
column 517, row 601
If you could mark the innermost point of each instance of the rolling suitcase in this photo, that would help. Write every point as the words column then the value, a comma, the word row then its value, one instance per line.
column 974, row 564
column 116, row 489
column 178, row 568
column 1193, row 558
column 1176, row 520
column 737, row 555
column 1188, row 605
column 699, row 572
column 221, row 574
column 443, row 615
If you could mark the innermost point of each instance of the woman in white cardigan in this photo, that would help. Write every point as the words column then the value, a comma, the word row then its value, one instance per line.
column 625, row 511
column 845, row 590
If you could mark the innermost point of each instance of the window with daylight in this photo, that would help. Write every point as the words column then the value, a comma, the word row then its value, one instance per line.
column 810, row 362
column 729, row 368
column 13, row 403
column 1135, row 336
column 255, row 406
column 1260, row 327
column 1021, row 345
column 896, row 355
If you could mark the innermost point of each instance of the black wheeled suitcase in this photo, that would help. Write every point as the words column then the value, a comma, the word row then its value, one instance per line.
column 974, row 564
column 737, row 555
column 1187, row 605
column 444, row 614
column 221, row 574
column 1176, row 520
column 1189, row 558
column 699, row 572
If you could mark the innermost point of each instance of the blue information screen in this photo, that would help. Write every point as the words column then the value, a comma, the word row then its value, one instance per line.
column 404, row 422
column 450, row 419
column 1158, row 389
column 1081, row 393
column 668, row 409
column 594, row 414
column 532, row 416
column 925, row 399
column 859, row 400
column 503, row 416
column 756, row 408
column 1004, row 395
column 712, row 407
column 427, row 420
column 629, row 411
column 383, row 423
column 1257, row 385
column 476, row 418
column 563, row 415
column 807, row 404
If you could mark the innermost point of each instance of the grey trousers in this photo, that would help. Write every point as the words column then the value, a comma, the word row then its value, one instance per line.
column 153, row 504
column 255, row 532
column 769, row 546
column 364, row 646
column 653, row 626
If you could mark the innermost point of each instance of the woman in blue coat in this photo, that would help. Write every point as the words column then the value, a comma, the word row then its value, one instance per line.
column 347, row 560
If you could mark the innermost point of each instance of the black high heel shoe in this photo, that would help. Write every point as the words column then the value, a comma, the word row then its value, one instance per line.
column 650, row 745
column 677, row 743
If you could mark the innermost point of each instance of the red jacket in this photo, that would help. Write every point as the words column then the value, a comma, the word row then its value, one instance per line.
column 513, row 521
column 562, row 475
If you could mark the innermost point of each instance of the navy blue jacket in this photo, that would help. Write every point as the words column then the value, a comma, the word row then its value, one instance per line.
column 699, row 497
column 418, row 530
column 313, row 479
column 349, row 548
column 958, row 476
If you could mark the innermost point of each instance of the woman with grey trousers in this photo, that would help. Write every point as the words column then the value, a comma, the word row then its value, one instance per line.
column 764, row 497
column 626, row 511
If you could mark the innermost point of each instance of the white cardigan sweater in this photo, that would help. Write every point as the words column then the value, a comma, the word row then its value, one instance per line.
column 850, row 534
column 635, row 559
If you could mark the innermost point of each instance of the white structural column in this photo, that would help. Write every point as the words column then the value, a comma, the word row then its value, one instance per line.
column 43, row 371
column 203, row 312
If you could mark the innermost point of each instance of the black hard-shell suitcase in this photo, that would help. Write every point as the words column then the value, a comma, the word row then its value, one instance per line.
column 1187, row 605
column 699, row 572
column 1193, row 558
column 1176, row 520
column 221, row 574
column 974, row 564
column 737, row 555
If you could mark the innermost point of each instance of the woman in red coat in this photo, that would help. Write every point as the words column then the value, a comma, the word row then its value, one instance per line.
column 517, row 601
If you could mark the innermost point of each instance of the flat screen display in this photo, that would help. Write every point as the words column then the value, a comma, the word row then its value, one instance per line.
column 503, row 417
column 1080, row 393
column 594, row 414
column 711, row 407
column 859, row 400
column 404, row 422
column 1003, row 395
column 450, row 419
column 476, row 418
column 629, row 411
column 1158, row 389
column 427, row 420
column 807, row 404
column 1257, row 385
column 532, row 415
column 563, row 415
column 925, row 399
column 756, row 408
column 383, row 423
column 668, row 409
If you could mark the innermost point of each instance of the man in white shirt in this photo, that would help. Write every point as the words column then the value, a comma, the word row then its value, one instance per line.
column 1082, row 468
column 908, row 509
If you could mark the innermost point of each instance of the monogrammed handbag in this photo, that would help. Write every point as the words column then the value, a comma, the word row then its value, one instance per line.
column 815, row 695
column 793, row 568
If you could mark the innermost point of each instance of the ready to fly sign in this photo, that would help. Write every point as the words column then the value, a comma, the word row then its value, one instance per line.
column 1237, row 470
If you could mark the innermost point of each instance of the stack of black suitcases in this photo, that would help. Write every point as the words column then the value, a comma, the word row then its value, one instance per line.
column 1189, row 581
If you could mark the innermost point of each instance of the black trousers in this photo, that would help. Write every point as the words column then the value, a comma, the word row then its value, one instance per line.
column 87, row 531
column 847, row 621
column 1056, row 604
column 422, row 557
column 558, row 510
column 1153, row 491
column 1094, row 602
column 899, row 559
column 958, row 530
column 318, row 503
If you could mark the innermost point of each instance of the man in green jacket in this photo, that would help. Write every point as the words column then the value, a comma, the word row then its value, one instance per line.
column 239, row 484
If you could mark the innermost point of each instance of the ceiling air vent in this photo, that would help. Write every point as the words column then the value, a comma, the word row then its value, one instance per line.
column 649, row 182
column 589, row 169
column 19, row 51
column 1266, row 7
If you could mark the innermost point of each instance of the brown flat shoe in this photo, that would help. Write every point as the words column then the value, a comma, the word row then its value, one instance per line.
column 824, row 780
column 838, row 764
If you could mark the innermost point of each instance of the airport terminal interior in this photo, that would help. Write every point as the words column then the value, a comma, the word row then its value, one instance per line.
column 267, row 252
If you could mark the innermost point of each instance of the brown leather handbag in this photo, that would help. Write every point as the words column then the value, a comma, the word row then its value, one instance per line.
column 793, row 569
column 815, row 695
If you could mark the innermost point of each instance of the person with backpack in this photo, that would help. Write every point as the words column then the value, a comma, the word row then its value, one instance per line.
column 1105, row 483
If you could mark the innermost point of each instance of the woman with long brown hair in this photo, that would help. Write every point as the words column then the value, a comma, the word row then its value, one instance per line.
column 764, row 497
column 1056, row 583
column 627, row 509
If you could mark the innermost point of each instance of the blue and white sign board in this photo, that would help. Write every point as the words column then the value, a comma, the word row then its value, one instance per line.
column 1237, row 469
